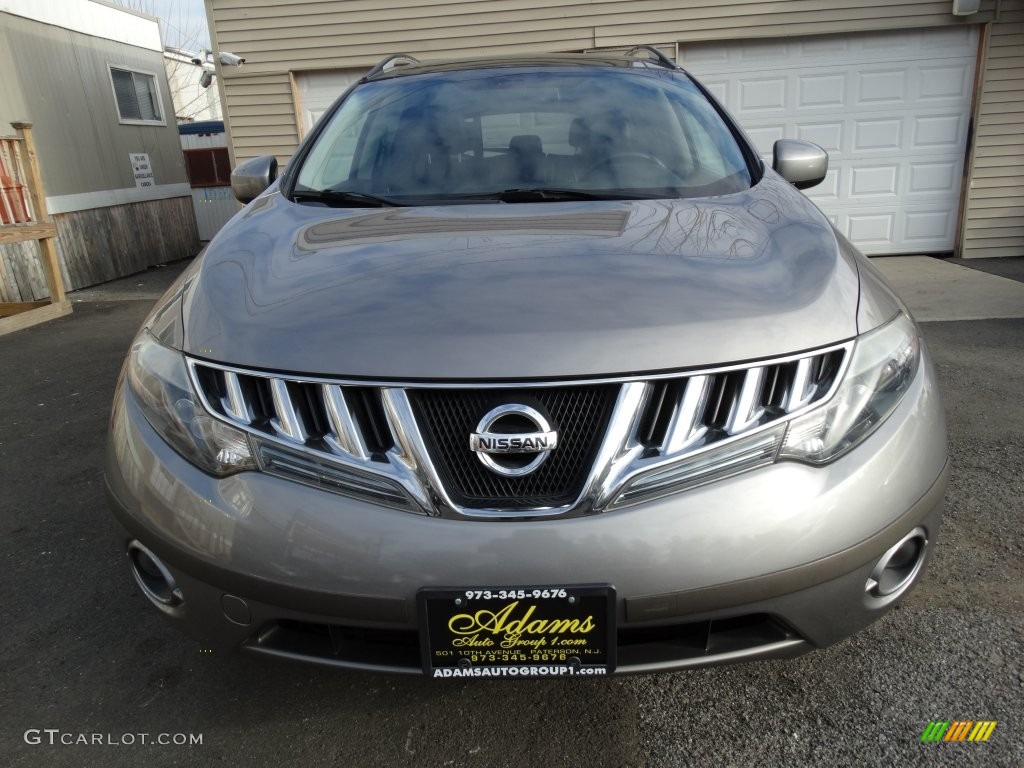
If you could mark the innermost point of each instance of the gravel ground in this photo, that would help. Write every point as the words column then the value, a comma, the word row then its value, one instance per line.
column 82, row 652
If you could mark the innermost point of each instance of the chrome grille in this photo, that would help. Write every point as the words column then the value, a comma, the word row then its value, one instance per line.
column 689, row 413
column 407, row 446
column 448, row 416
column 319, row 433
column 347, row 421
column 330, row 477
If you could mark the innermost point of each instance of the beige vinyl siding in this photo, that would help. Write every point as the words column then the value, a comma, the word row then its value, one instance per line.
column 994, row 213
column 262, row 114
column 790, row 18
column 304, row 35
column 327, row 35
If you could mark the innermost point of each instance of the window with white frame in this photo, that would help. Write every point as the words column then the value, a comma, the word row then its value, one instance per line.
column 138, row 100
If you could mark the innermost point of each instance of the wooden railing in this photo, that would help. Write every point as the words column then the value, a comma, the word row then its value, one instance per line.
column 23, row 217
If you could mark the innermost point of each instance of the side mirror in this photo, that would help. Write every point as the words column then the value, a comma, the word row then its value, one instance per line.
column 250, row 178
column 801, row 163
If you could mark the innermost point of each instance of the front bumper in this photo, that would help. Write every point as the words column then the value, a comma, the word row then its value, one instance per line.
column 766, row 564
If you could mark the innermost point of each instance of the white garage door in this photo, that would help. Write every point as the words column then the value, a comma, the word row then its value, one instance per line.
column 318, row 90
column 892, row 109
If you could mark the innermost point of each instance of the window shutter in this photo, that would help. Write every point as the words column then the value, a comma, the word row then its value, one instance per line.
column 124, row 90
column 145, row 93
column 136, row 94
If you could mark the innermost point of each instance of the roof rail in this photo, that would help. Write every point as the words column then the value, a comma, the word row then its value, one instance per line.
column 653, row 55
column 394, row 60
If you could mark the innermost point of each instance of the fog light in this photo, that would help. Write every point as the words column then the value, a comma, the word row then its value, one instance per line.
column 898, row 567
column 153, row 578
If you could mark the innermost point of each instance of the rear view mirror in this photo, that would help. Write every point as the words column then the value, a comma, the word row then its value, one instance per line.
column 251, row 178
column 801, row 163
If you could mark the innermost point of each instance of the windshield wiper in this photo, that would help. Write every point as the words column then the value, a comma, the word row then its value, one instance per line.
column 342, row 198
column 351, row 199
column 555, row 194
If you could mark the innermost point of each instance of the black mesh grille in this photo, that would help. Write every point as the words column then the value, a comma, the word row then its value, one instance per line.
column 448, row 417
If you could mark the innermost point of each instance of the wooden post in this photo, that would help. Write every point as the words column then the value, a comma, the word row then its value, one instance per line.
column 17, row 315
column 51, row 266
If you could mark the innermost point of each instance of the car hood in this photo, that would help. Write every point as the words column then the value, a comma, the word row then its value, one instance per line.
column 521, row 291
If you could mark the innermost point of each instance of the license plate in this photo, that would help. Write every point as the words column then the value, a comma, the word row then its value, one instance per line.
column 518, row 631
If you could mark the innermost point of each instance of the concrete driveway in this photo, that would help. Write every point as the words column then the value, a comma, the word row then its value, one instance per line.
column 82, row 653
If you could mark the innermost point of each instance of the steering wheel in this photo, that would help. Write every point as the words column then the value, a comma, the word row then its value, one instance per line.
column 629, row 157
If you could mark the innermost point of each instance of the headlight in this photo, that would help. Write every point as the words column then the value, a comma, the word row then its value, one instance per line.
column 880, row 372
column 159, row 380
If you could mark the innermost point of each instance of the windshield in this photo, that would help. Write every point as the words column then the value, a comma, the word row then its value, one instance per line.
column 473, row 135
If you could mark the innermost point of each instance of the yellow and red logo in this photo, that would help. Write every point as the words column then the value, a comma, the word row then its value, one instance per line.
column 958, row 730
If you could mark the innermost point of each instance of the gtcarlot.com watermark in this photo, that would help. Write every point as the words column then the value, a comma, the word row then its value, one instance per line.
column 55, row 737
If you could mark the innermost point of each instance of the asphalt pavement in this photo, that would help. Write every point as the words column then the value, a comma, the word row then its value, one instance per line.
column 82, row 654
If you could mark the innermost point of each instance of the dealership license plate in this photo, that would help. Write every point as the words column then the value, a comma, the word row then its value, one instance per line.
column 540, row 631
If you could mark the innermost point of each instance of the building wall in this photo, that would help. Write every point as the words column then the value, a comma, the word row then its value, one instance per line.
column 192, row 102
column 993, row 219
column 259, row 112
column 66, row 93
column 54, row 72
column 101, row 244
column 299, row 35
column 12, row 101
column 214, row 205
column 319, row 35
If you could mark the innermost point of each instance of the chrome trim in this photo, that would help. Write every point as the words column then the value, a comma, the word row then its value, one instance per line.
column 681, row 373
column 621, row 449
column 751, row 444
column 618, row 445
column 345, row 436
column 801, row 392
column 335, row 476
column 620, row 459
column 873, row 585
column 777, row 649
column 641, row 465
column 745, row 413
column 399, row 467
column 768, row 650
column 234, row 404
column 172, row 604
column 409, row 456
column 288, row 424
column 478, row 440
column 253, row 646
column 685, row 428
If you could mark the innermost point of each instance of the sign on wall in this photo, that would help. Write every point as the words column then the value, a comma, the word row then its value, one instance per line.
column 142, row 169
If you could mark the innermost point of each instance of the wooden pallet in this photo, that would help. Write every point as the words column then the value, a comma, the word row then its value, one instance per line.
column 24, row 218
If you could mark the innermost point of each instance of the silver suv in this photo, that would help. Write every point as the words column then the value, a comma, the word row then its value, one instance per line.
column 528, row 367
